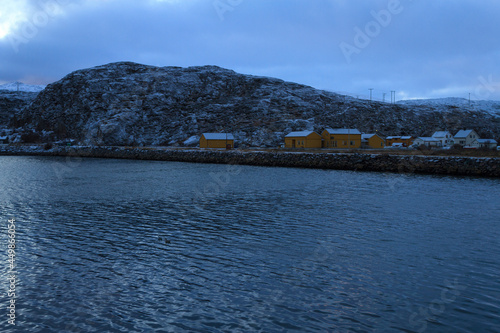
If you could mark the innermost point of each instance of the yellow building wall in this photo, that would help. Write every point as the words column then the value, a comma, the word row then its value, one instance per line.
column 376, row 142
column 292, row 143
column 405, row 142
column 311, row 141
column 204, row 143
column 341, row 140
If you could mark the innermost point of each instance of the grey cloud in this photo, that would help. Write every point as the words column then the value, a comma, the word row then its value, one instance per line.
column 425, row 48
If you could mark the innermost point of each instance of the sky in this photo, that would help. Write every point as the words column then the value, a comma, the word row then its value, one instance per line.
column 416, row 48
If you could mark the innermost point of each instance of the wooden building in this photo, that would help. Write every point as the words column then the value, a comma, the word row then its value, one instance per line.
column 484, row 143
column 217, row 140
column 429, row 142
column 404, row 141
column 372, row 141
column 341, row 138
column 304, row 139
column 445, row 137
column 465, row 137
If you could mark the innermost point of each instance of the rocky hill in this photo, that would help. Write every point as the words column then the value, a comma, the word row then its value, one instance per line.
column 12, row 102
column 133, row 104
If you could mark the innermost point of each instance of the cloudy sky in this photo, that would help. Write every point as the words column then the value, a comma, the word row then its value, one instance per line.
column 419, row 48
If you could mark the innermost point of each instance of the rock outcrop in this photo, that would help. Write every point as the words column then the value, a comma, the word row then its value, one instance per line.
column 132, row 104
column 12, row 102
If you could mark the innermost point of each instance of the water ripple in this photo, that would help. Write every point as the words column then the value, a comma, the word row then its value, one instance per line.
column 131, row 246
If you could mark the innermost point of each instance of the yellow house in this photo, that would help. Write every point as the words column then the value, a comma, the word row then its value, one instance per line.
column 341, row 138
column 372, row 141
column 217, row 140
column 304, row 139
column 403, row 141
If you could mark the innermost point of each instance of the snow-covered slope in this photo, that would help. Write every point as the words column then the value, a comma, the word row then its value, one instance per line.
column 443, row 104
column 22, row 87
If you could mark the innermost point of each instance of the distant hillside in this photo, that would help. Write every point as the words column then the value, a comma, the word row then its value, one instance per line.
column 491, row 107
column 18, row 86
column 133, row 104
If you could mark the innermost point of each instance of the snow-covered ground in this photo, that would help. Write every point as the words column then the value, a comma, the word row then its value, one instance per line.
column 491, row 107
column 22, row 87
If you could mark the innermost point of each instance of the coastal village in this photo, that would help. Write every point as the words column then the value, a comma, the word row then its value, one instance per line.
column 351, row 138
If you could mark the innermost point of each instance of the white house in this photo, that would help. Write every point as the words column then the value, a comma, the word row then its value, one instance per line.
column 484, row 143
column 465, row 137
column 427, row 141
column 445, row 137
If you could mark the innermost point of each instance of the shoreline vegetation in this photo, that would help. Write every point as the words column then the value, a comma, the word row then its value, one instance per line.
column 461, row 163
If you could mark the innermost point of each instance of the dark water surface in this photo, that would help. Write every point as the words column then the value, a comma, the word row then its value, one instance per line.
column 141, row 246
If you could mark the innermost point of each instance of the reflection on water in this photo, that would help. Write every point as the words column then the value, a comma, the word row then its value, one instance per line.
column 137, row 246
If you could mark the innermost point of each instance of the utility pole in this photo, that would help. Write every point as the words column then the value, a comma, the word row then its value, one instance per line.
column 18, row 83
column 393, row 96
column 371, row 89
column 383, row 99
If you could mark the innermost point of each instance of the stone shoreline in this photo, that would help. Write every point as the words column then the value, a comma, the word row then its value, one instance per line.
column 443, row 165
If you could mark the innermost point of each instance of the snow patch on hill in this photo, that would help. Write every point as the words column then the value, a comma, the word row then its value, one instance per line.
column 444, row 104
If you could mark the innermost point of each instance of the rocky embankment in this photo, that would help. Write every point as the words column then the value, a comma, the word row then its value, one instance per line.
column 460, row 166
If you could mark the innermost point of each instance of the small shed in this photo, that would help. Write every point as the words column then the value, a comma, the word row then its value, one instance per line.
column 304, row 139
column 4, row 140
column 405, row 141
column 484, row 143
column 217, row 140
column 429, row 142
column 372, row 141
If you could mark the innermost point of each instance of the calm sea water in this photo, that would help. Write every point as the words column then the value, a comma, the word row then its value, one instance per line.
column 138, row 246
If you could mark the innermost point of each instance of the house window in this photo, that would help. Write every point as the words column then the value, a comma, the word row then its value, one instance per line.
column 352, row 143
column 334, row 144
